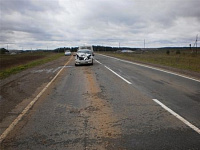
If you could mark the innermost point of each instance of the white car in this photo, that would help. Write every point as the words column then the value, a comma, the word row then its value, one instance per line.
column 67, row 53
column 84, row 56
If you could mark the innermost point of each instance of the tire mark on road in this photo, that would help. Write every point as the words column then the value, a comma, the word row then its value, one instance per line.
column 100, row 116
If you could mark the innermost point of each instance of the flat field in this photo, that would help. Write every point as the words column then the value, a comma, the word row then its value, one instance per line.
column 11, row 64
column 183, row 60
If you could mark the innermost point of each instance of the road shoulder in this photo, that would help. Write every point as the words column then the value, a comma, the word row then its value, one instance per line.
column 18, row 90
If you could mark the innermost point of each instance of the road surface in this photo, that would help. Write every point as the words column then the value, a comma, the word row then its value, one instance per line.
column 112, row 105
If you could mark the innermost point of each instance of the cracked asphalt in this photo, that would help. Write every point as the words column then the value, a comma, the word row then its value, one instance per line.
column 89, row 107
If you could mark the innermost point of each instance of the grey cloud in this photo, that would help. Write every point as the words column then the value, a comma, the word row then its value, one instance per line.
column 99, row 21
column 29, row 17
column 22, row 6
column 187, row 8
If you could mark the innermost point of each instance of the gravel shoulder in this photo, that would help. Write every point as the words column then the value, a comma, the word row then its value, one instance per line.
column 18, row 90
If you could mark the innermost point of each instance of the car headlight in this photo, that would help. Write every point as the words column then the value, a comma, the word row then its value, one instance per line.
column 89, row 57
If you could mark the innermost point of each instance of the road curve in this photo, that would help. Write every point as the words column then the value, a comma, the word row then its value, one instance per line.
column 93, row 107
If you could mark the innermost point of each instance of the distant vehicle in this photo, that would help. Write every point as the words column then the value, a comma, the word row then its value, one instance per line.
column 127, row 51
column 13, row 53
column 86, row 47
column 67, row 53
column 84, row 56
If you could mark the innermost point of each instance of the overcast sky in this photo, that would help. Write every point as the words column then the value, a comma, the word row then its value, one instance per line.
column 34, row 24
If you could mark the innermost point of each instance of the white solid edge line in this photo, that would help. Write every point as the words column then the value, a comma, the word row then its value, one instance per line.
column 118, row 75
column 177, row 116
column 152, row 68
column 15, row 122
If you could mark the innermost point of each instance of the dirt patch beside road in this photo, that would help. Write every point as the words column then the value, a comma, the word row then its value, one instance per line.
column 24, row 86
column 9, row 61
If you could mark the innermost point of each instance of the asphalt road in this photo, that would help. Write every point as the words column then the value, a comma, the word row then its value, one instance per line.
column 110, row 105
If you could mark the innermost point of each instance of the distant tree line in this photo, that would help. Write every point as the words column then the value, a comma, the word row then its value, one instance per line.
column 109, row 48
column 3, row 51
column 95, row 48
column 63, row 49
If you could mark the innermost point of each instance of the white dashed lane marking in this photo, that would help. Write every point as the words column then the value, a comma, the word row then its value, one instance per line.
column 115, row 73
column 177, row 116
column 155, row 100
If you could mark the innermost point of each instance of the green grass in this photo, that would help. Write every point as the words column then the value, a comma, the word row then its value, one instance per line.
column 41, row 58
column 185, row 61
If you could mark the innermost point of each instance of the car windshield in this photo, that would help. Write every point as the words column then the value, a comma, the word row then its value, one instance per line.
column 85, row 51
column 85, row 47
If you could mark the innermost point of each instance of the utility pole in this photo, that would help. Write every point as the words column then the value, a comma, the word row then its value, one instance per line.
column 144, row 43
column 195, row 43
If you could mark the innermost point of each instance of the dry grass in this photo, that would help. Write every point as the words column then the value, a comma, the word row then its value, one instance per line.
column 11, row 64
column 185, row 60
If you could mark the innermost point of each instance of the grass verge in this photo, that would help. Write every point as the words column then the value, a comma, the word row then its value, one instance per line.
column 46, row 57
column 184, row 61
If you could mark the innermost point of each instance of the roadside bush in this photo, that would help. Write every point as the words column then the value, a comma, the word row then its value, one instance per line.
column 3, row 51
column 167, row 52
